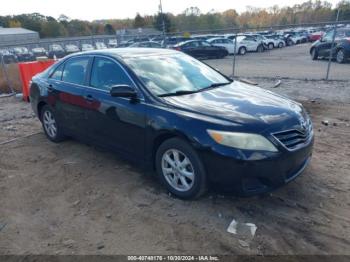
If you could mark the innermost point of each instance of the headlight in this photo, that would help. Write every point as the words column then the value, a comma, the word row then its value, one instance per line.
column 242, row 140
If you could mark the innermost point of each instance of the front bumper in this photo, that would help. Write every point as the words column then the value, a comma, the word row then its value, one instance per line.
column 248, row 177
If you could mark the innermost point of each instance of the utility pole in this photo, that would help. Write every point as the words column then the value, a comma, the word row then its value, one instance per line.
column 332, row 45
column 162, row 16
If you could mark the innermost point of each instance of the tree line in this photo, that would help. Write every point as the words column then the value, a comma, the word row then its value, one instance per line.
column 189, row 20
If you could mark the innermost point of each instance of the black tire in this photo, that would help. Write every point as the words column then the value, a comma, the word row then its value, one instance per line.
column 340, row 56
column 198, row 187
column 280, row 45
column 271, row 46
column 314, row 54
column 56, row 137
column 242, row 50
column 260, row 49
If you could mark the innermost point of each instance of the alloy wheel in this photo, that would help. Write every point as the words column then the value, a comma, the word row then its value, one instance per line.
column 242, row 51
column 340, row 56
column 50, row 124
column 178, row 170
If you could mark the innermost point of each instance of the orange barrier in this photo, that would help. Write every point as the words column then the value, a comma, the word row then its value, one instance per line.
column 28, row 70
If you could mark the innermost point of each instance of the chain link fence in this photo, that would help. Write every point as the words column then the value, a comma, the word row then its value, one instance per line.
column 292, row 59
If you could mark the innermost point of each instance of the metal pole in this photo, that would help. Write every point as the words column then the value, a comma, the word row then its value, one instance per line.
column 163, row 22
column 332, row 46
column 234, row 58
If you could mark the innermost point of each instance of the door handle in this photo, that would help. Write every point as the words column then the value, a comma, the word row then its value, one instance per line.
column 89, row 98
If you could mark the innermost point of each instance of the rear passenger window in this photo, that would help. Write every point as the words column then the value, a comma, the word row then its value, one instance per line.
column 75, row 70
column 57, row 74
column 106, row 73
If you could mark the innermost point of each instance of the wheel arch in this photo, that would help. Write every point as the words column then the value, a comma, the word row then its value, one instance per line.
column 40, row 106
column 164, row 136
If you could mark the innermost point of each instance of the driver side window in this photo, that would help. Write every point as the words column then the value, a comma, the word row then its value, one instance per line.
column 106, row 73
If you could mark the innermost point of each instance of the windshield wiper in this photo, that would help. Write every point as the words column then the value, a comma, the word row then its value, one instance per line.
column 179, row 93
column 186, row 92
column 215, row 85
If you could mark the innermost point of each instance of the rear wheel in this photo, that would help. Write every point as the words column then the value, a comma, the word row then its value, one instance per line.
column 260, row 49
column 340, row 56
column 180, row 169
column 271, row 46
column 51, row 127
column 242, row 50
column 314, row 54
column 280, row 45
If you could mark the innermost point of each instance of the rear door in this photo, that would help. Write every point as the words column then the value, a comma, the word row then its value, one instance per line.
column 228, row 44
column 66, row 89
column 208, row 50
column 116, row 122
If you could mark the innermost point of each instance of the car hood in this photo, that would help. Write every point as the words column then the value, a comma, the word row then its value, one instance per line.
column 244, row 105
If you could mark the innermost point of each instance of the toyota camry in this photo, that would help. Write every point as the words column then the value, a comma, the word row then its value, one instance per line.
column 178, row 116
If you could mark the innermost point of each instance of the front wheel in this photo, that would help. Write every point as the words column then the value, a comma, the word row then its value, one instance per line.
column 280, row 45
column 314, row 54
column 242, row 50
column 50, row 125
column 180, row 169
column 260, row 49
column 340, row 56
column 270, row 46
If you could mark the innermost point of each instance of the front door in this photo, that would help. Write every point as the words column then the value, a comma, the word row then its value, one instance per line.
column 115, row 122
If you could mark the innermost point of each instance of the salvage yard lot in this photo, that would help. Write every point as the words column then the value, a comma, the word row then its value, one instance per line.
column 72, row 198
column 291, row 62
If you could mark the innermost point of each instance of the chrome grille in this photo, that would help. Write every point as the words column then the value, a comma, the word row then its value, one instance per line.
column 291, row 139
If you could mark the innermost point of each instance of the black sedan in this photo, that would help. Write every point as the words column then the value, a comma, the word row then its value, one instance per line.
column 341, row 48
column 201, row 49
column 173, row 113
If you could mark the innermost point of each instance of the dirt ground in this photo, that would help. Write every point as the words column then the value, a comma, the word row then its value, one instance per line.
column 71, row 198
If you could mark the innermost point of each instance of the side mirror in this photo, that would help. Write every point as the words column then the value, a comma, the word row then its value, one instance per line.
column 123, row 91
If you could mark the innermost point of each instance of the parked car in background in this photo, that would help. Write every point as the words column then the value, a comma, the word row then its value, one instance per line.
column 100, row 45
column 174, row 40
column 56, row 50
column 201, row 49
column 249, row 43
column 22, row 54
column 70, row 49
column 7, row 57
column 294, row 38
column 262, row 41
column 158, row 39
column 87, row 47
column 149, row 44
column 274, row 41
column 315, row 36
column 112, row 43
column 39, row 52
column 224, row 42
column 174, row 114
column 341, row 49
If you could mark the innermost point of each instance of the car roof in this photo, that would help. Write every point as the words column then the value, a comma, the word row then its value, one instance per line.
column 132, row 52
column 216, row 38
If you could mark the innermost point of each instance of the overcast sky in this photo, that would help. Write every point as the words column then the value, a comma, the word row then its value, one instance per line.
column 105, row 9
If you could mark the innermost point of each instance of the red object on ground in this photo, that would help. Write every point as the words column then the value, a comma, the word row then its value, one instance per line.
column 28, row 70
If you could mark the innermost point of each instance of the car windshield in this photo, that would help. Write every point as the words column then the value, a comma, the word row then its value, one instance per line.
column 20, row 50
column 56, row 48
column 176, row 73
column 38, row 50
